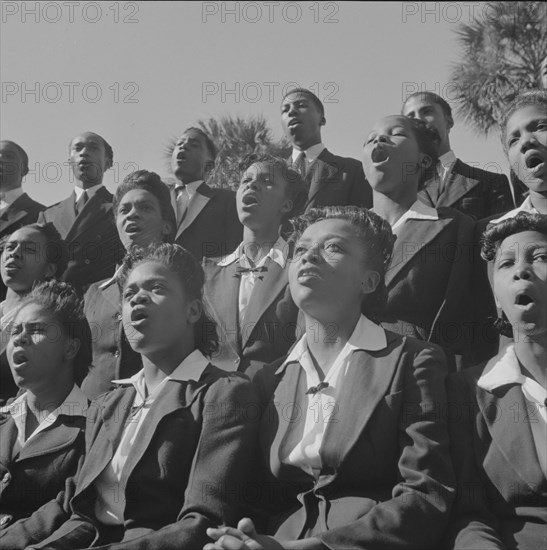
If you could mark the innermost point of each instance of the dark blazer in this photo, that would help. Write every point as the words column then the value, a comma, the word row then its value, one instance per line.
column 92, row 238
column 113, row 357
column 36, row 474
column 8, row 387
column 336, row 181
column 270, row 318
column 428, row 283
column 23, row 211
column 387, row 479
column 470, row 190
column 211, row 226
column 187, row 469
column 502, row 492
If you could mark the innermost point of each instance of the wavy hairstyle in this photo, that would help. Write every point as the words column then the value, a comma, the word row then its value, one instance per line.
column 377, row 240
column 190, row 273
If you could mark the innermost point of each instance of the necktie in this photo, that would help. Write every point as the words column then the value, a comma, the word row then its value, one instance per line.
column 80, row 203
column 443, row 176
column 300, row 164
column 182, row 199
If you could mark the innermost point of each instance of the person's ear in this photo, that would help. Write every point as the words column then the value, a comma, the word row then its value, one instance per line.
column 72, row 346
column 323, row 121
column 370, row 281
column 195, row 310
column 166, row 228
column 449, row 122
column 50, row 270
column 287, row 206
column 425, row 161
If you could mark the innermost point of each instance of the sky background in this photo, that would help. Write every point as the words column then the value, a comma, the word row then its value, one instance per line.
column 139, row 73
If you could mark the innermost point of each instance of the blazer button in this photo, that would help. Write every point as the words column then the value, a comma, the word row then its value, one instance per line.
column 87, row 262
column 236, row 361
column 7, row 478
column 117, row 353
column 119, row 316
column 5, row 520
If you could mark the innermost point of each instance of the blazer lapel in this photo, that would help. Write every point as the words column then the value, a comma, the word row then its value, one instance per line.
column 429, row 194
column 10, row 216
column 456, row 187
column 366, row 384
column 508, row 422
column 9, row 438
column 65, row 215
column 281, row 413
column 320, row 174
column 201, row 197
column 174, row 396
column 99, row 205
column 264, row 292
column 52, row 439
column 112, row 295
column 416, row 235
column 223, row 302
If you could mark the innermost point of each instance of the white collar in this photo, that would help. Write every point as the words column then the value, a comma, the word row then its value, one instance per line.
column 277, row 253
column 311, row 153
column 366, row 336
column 418, row 211
column 191, row 188
column 191, row 368
column 109, row 282
column 448, row 159
column 526, row 206
column 90, row 190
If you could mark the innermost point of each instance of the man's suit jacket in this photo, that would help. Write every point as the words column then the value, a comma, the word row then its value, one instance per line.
column 35, row 475
column 23, row 211
column 336, row 181
column 113, row 357
column 502, row 491
column 269, row 324
column 92, row 238
column 211, row 226
column 470, row 190
column 387, row 479
column 429, row 281
column 187, row 469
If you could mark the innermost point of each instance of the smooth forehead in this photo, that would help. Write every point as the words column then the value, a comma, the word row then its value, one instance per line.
column 525, row 114
column 34, row 312
column 331, row 227
column 391, row 121
column 27, row 234
column 418, row 102
column 194, row 135
column 522, row 241
column 138, row 194
column 267, row 169
column 88, row 137
column 150, row 270
column 294, row 97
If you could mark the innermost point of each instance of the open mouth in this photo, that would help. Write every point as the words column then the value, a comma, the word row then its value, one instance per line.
column 19, row 358
column 11, row 267
column 534, row 162
column 379, row 155
column 131, row 228
column 294, row 122
column 138, row 316
column 249, row 200
column 308, row 273
column 524, row 301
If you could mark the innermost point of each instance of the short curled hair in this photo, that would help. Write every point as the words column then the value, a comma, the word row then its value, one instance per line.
column 61, row 300
column 434, row 98
column 496, row 233
column 295, row 187
column 377, row 240
column 151, row 182
column 533, row 97
column 209, row 143
column 56, row 247
column 190, row 273
column 108, row 151
column 310, row 95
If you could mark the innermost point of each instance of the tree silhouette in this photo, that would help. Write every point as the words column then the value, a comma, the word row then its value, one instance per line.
column 502, row 53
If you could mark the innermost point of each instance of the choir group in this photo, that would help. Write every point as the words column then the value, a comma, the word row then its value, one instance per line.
column 338, row 355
